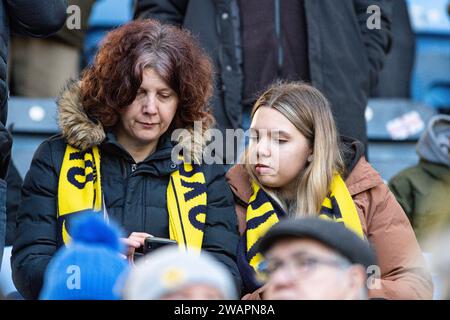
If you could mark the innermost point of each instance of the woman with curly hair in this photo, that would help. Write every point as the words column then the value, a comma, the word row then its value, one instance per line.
column 114, row 155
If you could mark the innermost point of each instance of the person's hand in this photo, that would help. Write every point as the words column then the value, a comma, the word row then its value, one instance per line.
column 5, row 151
column 133, row 242
column 256, row 295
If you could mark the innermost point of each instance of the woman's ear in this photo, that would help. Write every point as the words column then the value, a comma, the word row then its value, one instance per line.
column 311, row 152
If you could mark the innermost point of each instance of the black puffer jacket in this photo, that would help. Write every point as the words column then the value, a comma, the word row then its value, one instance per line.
column 135, row 197
column 30, row 18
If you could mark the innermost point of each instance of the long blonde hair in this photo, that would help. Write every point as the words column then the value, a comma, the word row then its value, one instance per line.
column 309, row 111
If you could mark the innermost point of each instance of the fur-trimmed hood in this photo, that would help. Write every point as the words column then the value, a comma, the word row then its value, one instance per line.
column 76, row 127
column 82, row 133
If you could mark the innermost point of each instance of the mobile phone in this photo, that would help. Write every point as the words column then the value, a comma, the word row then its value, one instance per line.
column 153, row 243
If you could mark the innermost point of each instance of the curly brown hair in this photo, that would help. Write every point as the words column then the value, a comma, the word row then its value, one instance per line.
column 112, row 81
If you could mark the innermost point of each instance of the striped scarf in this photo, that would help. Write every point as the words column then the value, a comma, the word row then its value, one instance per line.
column 80, row 190
column 263, row 213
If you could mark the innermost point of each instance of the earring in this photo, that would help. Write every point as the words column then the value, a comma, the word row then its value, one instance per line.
column 310, row 158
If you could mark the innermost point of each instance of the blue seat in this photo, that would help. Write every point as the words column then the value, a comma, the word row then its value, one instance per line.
column 432, row 67
column 393, row 129
column 30, row 121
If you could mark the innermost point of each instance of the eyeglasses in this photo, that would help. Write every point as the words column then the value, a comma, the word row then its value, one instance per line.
column 300, row 264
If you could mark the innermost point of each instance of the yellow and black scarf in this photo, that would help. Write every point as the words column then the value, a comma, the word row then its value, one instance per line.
column 79, row 187
column 80, row 190
column 263, row 213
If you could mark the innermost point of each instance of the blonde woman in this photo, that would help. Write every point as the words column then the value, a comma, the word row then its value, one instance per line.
column 296, row 165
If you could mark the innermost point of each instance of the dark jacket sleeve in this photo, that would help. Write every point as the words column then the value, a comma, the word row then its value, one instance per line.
column 167, row 11
column 36, row 241
column 376, row 41
column 221, row 236
column 12, row 202
column 5, row 155
column 5, row 151
column 2, row 218
column 36, row 18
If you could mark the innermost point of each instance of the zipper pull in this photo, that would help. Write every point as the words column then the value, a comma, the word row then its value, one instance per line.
column 133, row 167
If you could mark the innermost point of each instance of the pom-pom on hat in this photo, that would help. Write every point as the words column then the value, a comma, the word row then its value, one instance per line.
column 89, row 267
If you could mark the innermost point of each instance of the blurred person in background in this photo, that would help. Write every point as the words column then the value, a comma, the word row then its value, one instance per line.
column 395, row 77
column 171, row 274
column 254, row 42
column 56, row 59
column 90, row 266
column 115, row 155
column 33, row 19
column 315, row 259
column 423, row 191
column 437, row 244
column 29, row 18
column 296, row 165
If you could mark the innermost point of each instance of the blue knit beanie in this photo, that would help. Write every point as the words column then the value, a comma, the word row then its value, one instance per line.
column 89, row 267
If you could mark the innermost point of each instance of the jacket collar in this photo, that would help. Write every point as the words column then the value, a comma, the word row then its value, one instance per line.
column 239, row 182
column 362, row 178
column 162, row 152
column 437, row 170
column 352, row 150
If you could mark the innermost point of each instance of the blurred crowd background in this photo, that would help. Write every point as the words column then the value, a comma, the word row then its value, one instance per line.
column 413, row 87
